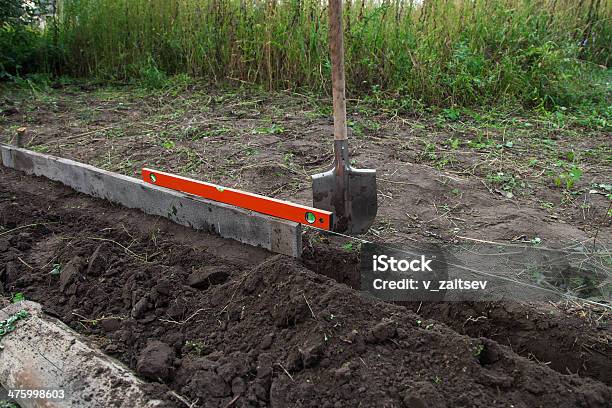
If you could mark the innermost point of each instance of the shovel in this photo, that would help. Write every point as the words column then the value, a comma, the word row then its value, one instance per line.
column 348, row 192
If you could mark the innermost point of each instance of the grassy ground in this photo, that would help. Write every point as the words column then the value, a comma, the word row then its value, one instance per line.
column 444, row 174
column 547, row 53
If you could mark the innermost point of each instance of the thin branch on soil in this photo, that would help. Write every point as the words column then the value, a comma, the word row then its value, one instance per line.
column 184, row 400
column 26, row 226
column 241, row 281
column 476, row 320
column 84, row 319
column 24, row 262
column 398, row 182
column 184, row 321
column 483, row 241
column 445, row 214
column 486, row 186
column 532, row 356
column 286, row 372
column 135, row 255
column 310, row 308
column 229, row 404
column 88, row 132
column 127, row 232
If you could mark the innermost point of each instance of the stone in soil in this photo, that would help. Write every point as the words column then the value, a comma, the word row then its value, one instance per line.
column 155, row 361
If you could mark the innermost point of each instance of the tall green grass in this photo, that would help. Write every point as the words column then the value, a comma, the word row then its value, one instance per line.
column 443, row 52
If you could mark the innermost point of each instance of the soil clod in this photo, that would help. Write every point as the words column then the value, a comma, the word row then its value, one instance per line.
column 204, row 277
column 155, row 361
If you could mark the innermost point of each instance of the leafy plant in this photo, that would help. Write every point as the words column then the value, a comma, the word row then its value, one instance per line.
column 356, row 127
column 347, row 246
column 57, row 269
column 150, row 76
column 288, row 159
column 269, row 130
column 508, row 182
column 453, row 143
column 8, row 325
column 197, row 347
column 480, row 142
column 168, row 144
column 451, row 114
column 567, row 179
column 508, row 144
column 18, row 297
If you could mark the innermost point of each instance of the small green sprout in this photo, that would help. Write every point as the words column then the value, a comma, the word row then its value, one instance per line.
column 57, row 269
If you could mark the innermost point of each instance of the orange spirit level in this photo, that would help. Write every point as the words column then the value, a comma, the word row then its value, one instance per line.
column 270, row 206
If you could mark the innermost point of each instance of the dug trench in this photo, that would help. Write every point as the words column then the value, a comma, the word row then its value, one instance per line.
column 216, row 323
column 566, row 336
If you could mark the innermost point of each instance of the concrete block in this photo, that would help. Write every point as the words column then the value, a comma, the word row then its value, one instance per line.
column 43, row 353
column 275, row 234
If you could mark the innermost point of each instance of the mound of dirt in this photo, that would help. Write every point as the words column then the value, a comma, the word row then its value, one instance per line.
column 221, row 324
column 294, row 338
column 564, row 342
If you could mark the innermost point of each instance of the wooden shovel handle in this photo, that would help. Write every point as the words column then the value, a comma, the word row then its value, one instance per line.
column 336, row 47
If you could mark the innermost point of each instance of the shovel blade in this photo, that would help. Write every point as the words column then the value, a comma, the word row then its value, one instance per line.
column 350, row 194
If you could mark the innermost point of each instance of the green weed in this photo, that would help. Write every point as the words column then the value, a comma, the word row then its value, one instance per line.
column 399, row 54
column 192, row 159
column 545, row 205
column 269, row 130
column 8, row 325
column 250, row 151
column 197, row 347
column 567, row 179
column 453, row 143
column 451, row 114
column 288, row 159
column 194, row 134
column 57, row 269
column 508, row 182
column 347, row 246
column 168, row 144
column 480, row 142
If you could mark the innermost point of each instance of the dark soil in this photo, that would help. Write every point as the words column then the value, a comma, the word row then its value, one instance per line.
column 223, row 324
column 545, row 333
column 581, row 339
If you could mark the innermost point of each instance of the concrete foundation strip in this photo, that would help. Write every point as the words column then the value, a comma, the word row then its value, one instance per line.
column 44, row 354
column 274, row 234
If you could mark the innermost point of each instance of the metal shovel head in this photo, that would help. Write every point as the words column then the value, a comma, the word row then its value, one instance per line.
column 350, row 194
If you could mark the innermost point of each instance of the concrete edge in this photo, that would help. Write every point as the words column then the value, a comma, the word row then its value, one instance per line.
column 249, row 227
column 44, row 353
